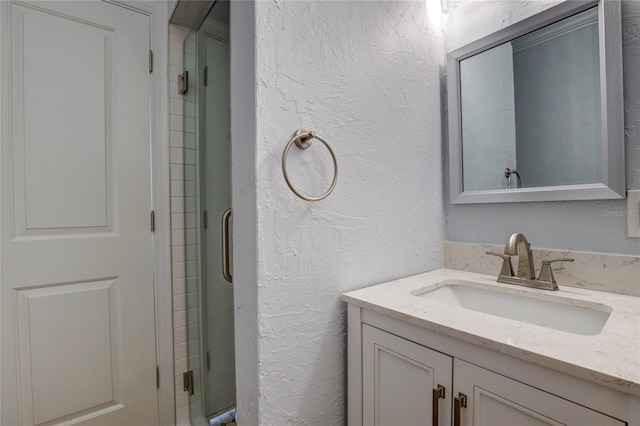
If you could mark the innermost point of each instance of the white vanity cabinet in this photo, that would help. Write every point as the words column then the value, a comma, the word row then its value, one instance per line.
column 490, row 399
column 403, row 383
column 395, row 370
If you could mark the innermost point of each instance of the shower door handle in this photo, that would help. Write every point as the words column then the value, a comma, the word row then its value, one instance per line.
column 225, row 246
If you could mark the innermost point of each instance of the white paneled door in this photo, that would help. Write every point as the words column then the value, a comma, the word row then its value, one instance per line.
column 77, row 302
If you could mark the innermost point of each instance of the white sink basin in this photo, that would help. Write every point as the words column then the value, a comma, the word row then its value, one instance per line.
column 545, row 310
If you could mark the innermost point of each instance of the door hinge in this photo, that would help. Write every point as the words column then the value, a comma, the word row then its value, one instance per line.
column 206, row 76
column 187, row 381
column 157, row 377
column 183, row 83
column 205, row 219
column 208, row 361
column 153, row 221
column 150, row 60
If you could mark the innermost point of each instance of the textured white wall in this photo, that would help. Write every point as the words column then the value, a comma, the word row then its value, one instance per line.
column 243, row 204
column 576, row 225
column 366, row 76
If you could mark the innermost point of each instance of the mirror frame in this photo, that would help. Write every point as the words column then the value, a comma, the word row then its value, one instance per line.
column 612, row 109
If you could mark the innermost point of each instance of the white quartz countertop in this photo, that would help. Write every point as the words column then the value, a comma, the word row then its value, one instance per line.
column 610, row 358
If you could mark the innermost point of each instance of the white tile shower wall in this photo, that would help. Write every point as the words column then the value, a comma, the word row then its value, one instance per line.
column 182, row 220
column 365, row 76
column 598, row 226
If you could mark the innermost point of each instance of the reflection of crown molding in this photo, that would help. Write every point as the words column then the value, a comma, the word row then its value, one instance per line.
column 215, row 29
column 558, row 29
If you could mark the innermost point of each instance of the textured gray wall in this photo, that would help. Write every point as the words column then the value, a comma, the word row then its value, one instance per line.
column 576, row 225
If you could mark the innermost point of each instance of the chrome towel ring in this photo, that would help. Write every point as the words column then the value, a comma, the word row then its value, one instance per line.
column 303, row 138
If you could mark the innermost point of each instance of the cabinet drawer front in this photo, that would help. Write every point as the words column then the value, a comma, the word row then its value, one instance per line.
column 398, row 379
column 495, row 400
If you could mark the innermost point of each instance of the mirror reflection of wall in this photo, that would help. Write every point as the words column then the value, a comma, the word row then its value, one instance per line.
column 488, row 118
column 533, row 105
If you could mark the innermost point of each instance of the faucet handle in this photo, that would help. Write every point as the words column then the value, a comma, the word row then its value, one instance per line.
column 507, row 268
column 546, row 273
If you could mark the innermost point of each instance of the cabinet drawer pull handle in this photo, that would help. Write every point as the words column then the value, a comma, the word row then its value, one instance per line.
column 438, row 393
column 459, row 401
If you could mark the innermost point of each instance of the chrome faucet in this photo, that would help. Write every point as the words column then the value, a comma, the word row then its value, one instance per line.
column 517, row 245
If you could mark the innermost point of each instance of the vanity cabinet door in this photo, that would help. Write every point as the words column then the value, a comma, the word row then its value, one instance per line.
column 496, row 400
column 398, row 381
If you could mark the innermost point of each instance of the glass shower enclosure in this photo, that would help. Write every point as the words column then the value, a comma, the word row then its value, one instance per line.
column 210, row 330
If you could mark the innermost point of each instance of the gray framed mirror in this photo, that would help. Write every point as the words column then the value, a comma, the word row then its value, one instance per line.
column 536, row 109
